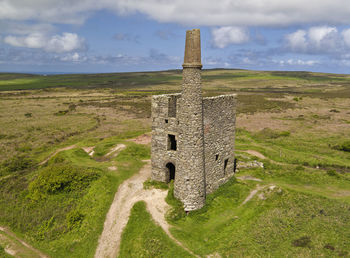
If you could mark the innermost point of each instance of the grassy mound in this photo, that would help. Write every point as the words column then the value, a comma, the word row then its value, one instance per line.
column 60, row 208
column 143, row 238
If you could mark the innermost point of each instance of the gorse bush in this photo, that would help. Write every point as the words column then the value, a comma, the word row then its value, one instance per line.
column 61, row 178
column 332, row 173
column 17, row 163
column 304, row 241
column 61, row 112
column 74, row 219
column 345, row 146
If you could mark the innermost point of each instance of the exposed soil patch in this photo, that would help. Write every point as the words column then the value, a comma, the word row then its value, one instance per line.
column 252, row 194
column 142, row 139
column 115, row 151
column 249, row 178
column 254, row 153
column 89, row 150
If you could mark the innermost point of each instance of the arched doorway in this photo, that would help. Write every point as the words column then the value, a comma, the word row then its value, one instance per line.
column 171, row 171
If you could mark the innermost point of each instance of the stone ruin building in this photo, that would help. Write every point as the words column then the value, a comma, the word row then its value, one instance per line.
column 193, row 137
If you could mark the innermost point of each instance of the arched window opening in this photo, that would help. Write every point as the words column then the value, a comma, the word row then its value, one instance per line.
column 171, row 169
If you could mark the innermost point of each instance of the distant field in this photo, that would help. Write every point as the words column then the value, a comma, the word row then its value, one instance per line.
column 169, row 80
column 300, row 121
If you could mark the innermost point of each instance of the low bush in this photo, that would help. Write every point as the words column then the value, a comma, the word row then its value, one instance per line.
column 60, row 178
column 61, row 112
column 304, row 241
column 17, row 163
column 74, row 219
column 345, row 146
column 332, row 173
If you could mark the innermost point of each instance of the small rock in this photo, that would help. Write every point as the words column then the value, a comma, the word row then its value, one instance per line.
column 262, row 196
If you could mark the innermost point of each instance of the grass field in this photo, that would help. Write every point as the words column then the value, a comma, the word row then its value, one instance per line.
column 143, row 238
column 299, row 121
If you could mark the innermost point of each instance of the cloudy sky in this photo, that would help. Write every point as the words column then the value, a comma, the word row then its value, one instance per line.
column 137, row 35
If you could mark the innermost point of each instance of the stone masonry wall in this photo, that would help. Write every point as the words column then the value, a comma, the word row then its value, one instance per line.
column 193, row 138
column 189, row 184
column 164, row 122
column 219, row 138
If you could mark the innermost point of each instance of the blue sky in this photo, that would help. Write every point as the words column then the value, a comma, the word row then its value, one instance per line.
column 77, row 36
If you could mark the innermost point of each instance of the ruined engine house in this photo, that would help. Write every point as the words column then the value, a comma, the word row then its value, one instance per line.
column 193, row 137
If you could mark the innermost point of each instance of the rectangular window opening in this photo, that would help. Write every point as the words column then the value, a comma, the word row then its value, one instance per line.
column 225, row 165
column 216, row 157
column 166, row 121
column 171, row 142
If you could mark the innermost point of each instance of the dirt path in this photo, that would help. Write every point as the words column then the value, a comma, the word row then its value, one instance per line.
column 130, row 192
column 142, row 139
column 16, row 246
column 89, row 150
column 251, row 178
column 57, row 151
column 254, row 153
column 115, row 151
column 252, row 194
column 260, row 156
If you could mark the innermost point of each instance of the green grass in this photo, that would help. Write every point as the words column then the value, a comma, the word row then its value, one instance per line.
column 61, row 207
column 303, row 148
column 306, row 215
column 265, row 227
column 87, row 81
column 148, row 184
column 147, row 80
column 143, row 238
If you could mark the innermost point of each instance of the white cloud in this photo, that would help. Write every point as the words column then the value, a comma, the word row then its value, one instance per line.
column 317, row 34
column 34, row 40
column 298, row 62
column 321, row 39
column 207, row 12
column 74, row 57
column 66, row 42
column 225, row 36
column 346, row 37
column 297, row 40
column 24, row 29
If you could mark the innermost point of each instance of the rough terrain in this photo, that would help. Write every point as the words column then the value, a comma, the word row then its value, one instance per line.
column 16, row 246
column 130, row 192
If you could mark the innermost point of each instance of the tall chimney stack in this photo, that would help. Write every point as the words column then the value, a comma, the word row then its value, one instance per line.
column 192, row 49
column 190, row 180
